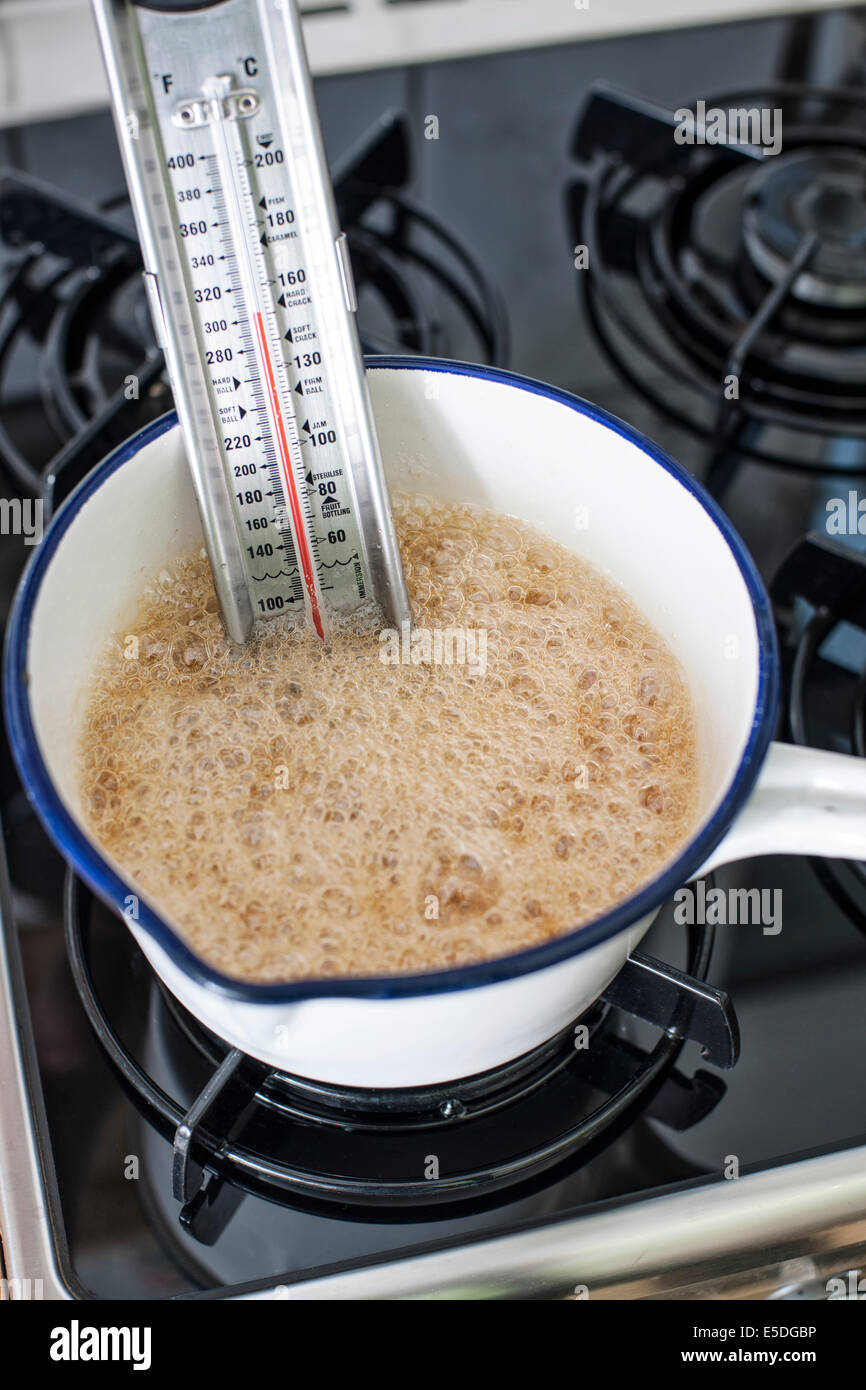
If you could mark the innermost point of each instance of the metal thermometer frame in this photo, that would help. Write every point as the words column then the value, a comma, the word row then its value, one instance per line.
column 284, row 85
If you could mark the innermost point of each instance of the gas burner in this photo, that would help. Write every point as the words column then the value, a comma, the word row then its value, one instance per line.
column 79, row 367
column 238, row 1126
column 820, row 588
column 727, row 284
column 812, row 193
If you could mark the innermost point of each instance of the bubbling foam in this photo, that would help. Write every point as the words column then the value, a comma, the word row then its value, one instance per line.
column 301, row 813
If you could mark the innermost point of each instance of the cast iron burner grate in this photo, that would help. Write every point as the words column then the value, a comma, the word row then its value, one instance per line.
column 709, row 262
column 74, row 321
column 241, row 1127
column 819, row 589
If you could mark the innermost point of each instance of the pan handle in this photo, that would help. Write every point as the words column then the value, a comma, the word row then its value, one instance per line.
column 806, row 801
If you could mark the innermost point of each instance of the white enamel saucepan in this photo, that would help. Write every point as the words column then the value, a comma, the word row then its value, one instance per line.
column 466, row 434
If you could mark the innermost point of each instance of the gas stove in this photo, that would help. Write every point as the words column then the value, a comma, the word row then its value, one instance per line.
column 712, row 1141
column 728, row 282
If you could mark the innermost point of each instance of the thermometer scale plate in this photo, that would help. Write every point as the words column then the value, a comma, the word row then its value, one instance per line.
column 252, row 296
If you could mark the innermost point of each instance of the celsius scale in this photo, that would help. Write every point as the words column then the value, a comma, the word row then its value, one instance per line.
column 253, row 302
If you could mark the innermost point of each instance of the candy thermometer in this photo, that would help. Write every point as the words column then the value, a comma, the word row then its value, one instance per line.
column 253, row 301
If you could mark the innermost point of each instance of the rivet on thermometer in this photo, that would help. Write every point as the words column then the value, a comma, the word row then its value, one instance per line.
column 253, row 297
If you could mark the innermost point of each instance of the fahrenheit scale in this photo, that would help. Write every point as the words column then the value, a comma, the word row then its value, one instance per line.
column 253, row 300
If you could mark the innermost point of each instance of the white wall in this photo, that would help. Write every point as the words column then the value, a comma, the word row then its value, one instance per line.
column 50, row 66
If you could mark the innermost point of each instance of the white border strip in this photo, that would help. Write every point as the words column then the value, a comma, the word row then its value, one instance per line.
column 50, row 64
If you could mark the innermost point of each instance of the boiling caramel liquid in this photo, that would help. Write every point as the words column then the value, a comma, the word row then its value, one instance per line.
column 380, row 808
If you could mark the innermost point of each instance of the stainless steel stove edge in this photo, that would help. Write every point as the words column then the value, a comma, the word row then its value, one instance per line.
column 31, row 1246
column 793, row 1225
